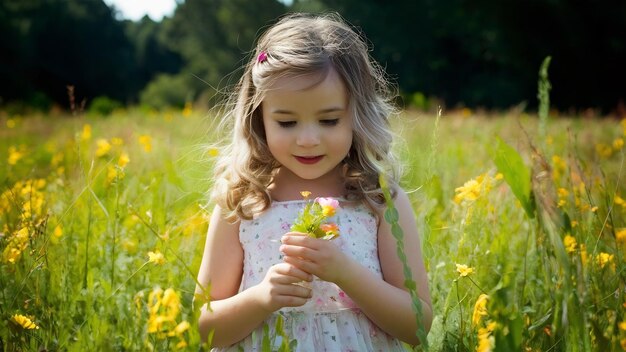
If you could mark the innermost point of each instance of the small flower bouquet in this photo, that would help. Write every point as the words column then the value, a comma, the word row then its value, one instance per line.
column 313, row 219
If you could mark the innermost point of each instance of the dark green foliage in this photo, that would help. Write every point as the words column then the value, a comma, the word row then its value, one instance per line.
column 214, row 37
column 166, row 91
column 103, row 106
column 49, row 44
column 486, row 53
column 470, row 53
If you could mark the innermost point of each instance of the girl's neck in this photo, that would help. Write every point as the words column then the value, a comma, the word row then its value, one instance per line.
column 287, row 186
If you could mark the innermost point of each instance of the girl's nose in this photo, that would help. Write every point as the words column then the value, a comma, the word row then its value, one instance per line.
column 308, row 136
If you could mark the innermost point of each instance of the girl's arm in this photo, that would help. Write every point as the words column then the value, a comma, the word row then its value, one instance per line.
column 386, row 302
column 233, row 315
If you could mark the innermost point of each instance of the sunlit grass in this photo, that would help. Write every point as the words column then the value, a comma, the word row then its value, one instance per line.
column 102, row 224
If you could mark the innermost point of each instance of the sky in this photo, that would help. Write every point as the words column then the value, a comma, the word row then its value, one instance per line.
column 136, row 9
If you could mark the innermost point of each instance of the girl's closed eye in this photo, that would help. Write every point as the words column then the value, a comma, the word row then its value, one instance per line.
column 329, row 122
column 286, row 124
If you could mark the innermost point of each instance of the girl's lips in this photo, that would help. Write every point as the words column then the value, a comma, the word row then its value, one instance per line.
column 309, row 159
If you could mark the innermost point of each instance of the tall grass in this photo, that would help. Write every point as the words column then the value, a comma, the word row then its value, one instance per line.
column 102, row 225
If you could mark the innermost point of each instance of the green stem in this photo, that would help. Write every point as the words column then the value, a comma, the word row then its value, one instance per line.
column 461, row 320
column 87, row 247
column 392, row 217
column 115, row 222
column 128, row 279
column 475, row 284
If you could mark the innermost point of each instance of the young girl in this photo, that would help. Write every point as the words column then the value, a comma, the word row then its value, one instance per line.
column 311, row 114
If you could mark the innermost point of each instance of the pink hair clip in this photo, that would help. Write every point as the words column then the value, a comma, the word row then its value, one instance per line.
column 262, row 57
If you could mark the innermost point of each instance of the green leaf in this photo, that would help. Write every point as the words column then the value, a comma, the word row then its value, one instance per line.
column 410, row 284
column 396, row 230
column 516, row 174
column 266, row 345
column 541, row 322
column 279, row 324
column 391, row 215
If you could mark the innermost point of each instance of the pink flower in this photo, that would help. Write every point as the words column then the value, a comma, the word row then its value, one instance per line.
column 329, row 206
column 312, row 219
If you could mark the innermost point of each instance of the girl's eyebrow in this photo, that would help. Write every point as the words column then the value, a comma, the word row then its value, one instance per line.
column 320, row 112
column 331, row 110
column 282, row 112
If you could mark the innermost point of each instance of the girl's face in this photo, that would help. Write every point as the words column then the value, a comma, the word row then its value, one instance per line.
column 308, row 126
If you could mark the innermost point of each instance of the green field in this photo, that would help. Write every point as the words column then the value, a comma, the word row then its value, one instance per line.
column 102, row 224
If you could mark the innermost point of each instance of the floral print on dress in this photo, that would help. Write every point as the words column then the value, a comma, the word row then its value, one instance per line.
column 330, row 320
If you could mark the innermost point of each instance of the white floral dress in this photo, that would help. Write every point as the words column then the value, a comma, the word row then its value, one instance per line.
column 329, row 321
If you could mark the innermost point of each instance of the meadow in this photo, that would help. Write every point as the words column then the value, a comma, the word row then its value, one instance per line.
column 102, row 225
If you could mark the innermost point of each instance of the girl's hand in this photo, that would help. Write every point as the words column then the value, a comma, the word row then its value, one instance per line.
column 277, row 290
column 321, row 258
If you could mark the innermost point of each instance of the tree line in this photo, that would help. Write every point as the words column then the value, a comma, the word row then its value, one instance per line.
column 475, row 53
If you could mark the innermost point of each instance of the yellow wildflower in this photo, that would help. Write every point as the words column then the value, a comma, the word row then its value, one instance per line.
column 164, row 307
column 187, row 109
column 604, row 259
column 623, row 122
column 622, row 325
column 620, row 235
column 17, row 244
column 123, row 160
column 114, row 173
column 58, row 231
column 305, row 194
column 56, row 159
column 138, row 299
column 618, row 144
column 604, row 150
column 469, row 191
column 10, row 123
column 14, row 155
column 570, row 243
column 181, row 328
column 86, row 134
column 102, row 147
column 464, row 270
column 24, row 322
column 182, row 344
column 154, row 300
column 480, row 309
column 474, row 188
column 594, row 209
column 146, row 141
column 155, row 323
column 486, row 341
column 558, row 167
column 170, row 299
column 129, row 246
column 117, row 141
column 11, row 254
column 156, row 257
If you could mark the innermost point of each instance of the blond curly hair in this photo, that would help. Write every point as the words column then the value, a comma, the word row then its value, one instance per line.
column 302, row 44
